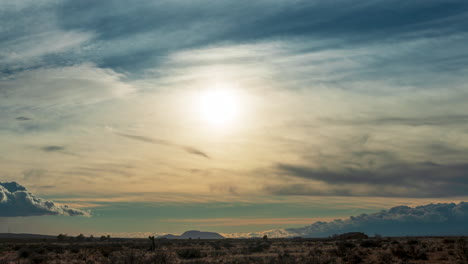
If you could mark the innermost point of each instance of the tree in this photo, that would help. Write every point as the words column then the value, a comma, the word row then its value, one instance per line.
column 153, row 245
column 80, row 237
column 62, row 237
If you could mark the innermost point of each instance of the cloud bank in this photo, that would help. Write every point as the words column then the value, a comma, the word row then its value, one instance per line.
column 432, row 219
column 15, row 200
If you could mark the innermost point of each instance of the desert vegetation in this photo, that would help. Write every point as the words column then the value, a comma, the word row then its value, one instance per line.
column 333, row 250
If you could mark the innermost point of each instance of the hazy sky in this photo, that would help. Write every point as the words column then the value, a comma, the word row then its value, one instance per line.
column 231, row 116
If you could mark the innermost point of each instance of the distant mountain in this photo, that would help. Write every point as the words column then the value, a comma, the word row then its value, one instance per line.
column 25, row 236
column 194, row 234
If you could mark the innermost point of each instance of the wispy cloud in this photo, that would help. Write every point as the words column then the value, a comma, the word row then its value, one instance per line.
column 188, row 149
column 391, row 180
column 22, row 118
column 58, row 149
column 53, row 148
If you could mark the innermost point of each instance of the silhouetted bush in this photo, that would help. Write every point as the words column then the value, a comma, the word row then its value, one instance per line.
column 24, row 253
column 370, row 243
column 462, row 250
column 257, row 247
column 190, row 253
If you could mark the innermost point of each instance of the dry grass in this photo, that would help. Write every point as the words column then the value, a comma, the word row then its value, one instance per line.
column 289, row 251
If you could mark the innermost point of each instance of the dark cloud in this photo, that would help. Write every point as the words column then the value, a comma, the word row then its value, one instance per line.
column 195, row 151
column 58, row 149
column 145, row 139
column 397, row 180
column 22, row 118
column 343, row 18
column 53, row 148
column 212, row 22
column 15, row 200
column 426, row 220
column 188, row 149
column 443, row 120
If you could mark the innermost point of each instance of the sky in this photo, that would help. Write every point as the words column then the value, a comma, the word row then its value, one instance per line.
column 228, row 116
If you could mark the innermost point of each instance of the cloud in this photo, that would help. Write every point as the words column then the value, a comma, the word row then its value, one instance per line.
column 394, row 179
column 32, row 36
column 446, row 120
column 22, row 118
column 15, row 200
column 188, row 149
column 59, row 87
column 33, row 174
column 160, row 27
column 432, row 219
column 58, row 149
column 53, row 148
column 195, row 151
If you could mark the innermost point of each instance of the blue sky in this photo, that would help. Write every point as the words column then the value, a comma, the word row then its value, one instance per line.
column 292, row 111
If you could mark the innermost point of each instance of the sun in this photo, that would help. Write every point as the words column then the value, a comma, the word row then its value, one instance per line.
column 219, row 107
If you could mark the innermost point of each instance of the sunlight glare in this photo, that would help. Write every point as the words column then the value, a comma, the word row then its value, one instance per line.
column 219, row 106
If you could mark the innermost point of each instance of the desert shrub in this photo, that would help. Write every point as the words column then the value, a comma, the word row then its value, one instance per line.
column 228, row 245
column 385, row 258
column 40, row 250
column 74, row 249
column 257, row 247
column 105, row 251
column 17, row 247
column 131, row 257
column 190, row 253
column 319, row 259
column 58, row 249
column 462, row 250
column 61, row 237
column 353, row 258
column 285, row 258
column 38, row 259
column 449, row 241
column 409, row 252
column 343, row 248
column 162, row 257
column 216, row 246
column 370, row 243
column 217, row 253
column 24, row 252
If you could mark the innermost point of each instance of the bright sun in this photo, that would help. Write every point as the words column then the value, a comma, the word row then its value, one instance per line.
column 219, row 106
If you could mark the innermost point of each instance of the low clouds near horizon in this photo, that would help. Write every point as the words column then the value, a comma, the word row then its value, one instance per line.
column 16, row 201
column 426, row 220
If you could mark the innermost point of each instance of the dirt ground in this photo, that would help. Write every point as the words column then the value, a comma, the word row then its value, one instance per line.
column 450, row 250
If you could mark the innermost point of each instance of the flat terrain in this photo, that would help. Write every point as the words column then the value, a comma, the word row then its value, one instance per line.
column 314, row 251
